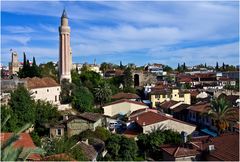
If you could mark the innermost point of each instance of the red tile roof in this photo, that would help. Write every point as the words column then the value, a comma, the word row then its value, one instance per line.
column 123, row 95
column 185, row 79
column 58, row 157
column 168, row 104
column 201, row 107
column 125, row 100
column 177, row 151
column 140, row 111
column 24, row 141
column 36, row 82
column 148, row 118
column 226, row 147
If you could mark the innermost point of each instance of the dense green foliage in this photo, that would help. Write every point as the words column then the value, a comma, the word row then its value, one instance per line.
column 82, row 99
column 22, row 106
column 23, row 109
column 150, row 143
column 66, row 88
column 64, row 145
column 102, row 93
column 167, row 68
column 49, row 70
column 28, row 70
column 121, row 148
column 46, row 113
column 90, row 79
column 100, row 132
column 11, row 124
column 221, row 113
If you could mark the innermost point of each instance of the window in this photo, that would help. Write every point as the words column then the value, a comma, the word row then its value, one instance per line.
column 59, row 98
column 35, row 92
column 47, row 90
column 58, row 132
column 157, row 96
column 55, row 98
column 57, row 89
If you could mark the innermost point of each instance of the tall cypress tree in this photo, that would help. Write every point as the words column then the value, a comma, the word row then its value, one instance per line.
column 178, row 68
column 121, row 66
column 216, row 66
column 223, row 66
column 184, row 66
column 24, row 60
column 34, row 62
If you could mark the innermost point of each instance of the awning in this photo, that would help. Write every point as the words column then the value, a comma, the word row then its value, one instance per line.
column 207, row 131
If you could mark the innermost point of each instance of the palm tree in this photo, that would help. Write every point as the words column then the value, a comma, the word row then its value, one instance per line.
column 221, row 113
column 102, row 93
column 9, row 153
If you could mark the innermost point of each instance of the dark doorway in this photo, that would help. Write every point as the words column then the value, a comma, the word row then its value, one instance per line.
column 136, row 80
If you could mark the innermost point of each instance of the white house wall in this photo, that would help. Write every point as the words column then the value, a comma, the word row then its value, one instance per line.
column 50, row 94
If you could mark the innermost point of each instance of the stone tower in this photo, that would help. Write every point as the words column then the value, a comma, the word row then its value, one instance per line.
column 65, row 54
column 14, row 64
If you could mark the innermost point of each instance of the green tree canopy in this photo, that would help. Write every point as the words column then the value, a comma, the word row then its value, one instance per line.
column 127, row 78
column 102, row 93
column 150, row 143
column 121, row 148
column 49, row 70
column 64, row 145
column 66, row 88
column 82, row 99
column 28, row 70
column 22, row 106
column 221, row 113
column 46, row 113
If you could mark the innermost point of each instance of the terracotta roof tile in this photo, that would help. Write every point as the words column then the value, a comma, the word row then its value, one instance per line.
column 88, row 151
column 58, row 157
column 168, row 104
column 123, row 95
column 148, row 118
column 125, row 100
column 201, row 107
column 226, row 147
column 24, row 141
column 36, row 82
column 177, row 151
column 93, row 117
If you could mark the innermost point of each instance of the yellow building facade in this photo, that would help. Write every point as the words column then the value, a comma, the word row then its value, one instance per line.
column 157, row 97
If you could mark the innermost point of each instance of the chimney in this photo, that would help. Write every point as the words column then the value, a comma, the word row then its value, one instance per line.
column 184, row 136
column 211, row 148
column 137, row 118
column 144, row 124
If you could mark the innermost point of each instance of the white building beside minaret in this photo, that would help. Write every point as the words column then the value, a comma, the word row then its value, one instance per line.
column 65, row 54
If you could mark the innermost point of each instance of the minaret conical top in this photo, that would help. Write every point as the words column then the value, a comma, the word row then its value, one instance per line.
column 64, row 14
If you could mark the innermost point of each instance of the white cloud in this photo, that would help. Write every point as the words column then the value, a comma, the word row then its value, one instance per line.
column 227, row 53
column 148, row 26
column 9, row 39
column 18, row 29
column 49, row 28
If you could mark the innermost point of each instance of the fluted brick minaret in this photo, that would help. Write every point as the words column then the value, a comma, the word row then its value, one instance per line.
column 65, row 54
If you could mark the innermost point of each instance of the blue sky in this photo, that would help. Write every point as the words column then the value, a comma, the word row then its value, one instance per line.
column 131, row 32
